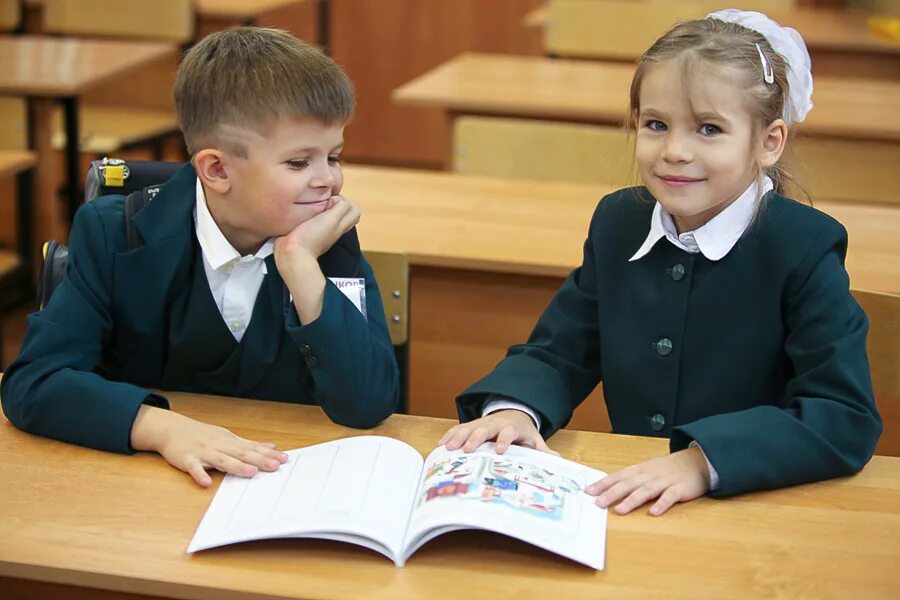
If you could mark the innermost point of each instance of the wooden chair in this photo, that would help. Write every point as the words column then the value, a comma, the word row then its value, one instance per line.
column 883, row 347
column 392, row 272
column 546, row 150
column 105, row 129
column 16, row 266
column 10, row 15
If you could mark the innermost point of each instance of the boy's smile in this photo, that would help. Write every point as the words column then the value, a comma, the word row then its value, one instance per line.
column 286, row 174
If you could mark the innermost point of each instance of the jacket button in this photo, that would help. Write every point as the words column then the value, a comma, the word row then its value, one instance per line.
column 663, row 346
column 678, row 272
column 657, row 422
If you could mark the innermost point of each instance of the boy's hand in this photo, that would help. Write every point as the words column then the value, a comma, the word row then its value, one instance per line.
column 193, row 446
column 678, row 477
column 315, row 236
column 507, row 426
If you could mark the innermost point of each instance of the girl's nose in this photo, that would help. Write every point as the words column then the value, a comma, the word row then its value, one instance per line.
column 676, row 149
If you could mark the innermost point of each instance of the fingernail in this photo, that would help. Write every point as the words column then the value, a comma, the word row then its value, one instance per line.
column 655, row 511
column 273, row 464
column 283, row 457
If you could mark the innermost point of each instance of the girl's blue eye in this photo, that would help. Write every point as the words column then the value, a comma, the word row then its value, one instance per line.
column 655, row 125
column 708, row 129
column 297, row 164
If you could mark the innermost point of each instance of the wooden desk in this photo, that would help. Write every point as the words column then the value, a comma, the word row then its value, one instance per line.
column 839, row 41
column 46, row 69
column 847, row 149
column 488, row 254
column 300, row 17
column 78, row 521
column 588, row 92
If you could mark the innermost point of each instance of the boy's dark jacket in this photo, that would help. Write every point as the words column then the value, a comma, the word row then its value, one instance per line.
column 146, row 319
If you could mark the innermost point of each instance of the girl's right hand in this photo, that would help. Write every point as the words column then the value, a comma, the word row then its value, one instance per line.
column 507, row 427
column 194, row 447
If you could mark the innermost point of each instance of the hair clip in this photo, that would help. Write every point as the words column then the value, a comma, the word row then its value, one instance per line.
column 768, row 73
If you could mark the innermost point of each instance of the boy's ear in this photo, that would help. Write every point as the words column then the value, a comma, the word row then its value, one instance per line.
column 210, row 166
column 773, row 141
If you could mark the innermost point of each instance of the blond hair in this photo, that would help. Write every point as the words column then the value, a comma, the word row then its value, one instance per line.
column 251, row 77
column 704, row 43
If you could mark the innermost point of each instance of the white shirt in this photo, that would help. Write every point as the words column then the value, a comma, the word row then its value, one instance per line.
column 234, row 280
column 714, row 240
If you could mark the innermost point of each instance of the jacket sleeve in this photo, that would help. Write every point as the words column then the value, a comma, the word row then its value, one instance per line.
column 350, row 356
column 51, row 388
column 559, row 365
column 828, row 425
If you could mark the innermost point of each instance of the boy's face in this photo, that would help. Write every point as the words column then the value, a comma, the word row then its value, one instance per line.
column 288, row 174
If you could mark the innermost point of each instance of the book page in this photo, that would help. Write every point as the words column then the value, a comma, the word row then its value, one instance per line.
column 530, row 495
column 358, row 489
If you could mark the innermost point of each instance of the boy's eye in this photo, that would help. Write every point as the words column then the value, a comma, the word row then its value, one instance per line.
column 335, row 160
column 654, row 125
column 708, row 129
column 297, row 164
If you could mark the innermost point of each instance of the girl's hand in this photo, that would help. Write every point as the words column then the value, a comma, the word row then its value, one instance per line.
column 194, row 447
column 678, row 477
column 506, row 426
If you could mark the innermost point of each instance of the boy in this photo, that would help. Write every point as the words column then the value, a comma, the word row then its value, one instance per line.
column 226, row 295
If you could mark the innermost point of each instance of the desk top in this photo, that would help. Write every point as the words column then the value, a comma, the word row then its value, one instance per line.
column 57, row 67
column 72, row 515
column 538, row 227
column 828, row 29
column 592, row 92
column 238, row 9
column 13, row 162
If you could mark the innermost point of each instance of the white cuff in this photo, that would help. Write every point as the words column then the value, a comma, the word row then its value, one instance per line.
column 713, row 474
column 494, row 405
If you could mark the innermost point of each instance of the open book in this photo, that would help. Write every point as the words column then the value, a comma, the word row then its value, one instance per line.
column 378, row 492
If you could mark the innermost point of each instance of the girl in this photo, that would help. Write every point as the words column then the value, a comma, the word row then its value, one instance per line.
column 715, row 310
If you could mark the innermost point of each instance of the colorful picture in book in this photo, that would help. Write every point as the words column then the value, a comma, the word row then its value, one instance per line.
column 501, row 481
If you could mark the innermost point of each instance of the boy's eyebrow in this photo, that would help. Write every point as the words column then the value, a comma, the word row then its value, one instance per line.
column 303, row 149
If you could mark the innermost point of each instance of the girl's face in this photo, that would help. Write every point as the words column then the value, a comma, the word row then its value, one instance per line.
column 695, row 148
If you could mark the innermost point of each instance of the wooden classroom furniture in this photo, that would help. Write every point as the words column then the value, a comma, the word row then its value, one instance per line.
column 847, row 148
column 78, row 523
column 45, row 70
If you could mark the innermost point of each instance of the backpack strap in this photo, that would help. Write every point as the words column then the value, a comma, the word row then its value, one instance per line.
column 134, row 202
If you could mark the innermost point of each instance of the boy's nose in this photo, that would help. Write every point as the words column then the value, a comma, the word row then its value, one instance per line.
column 324, row 177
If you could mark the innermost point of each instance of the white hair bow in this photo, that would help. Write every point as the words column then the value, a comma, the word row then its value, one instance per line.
column 789, row 44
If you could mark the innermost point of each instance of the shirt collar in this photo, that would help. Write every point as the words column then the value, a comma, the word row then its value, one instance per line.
column 217, row 250
column 716, row 238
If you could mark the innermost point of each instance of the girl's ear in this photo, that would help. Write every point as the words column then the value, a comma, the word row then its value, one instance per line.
column 772, row 143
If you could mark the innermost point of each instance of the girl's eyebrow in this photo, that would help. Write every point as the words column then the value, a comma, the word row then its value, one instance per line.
column 651, row 112
column 710, row 116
